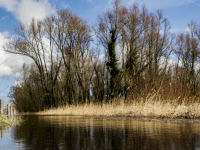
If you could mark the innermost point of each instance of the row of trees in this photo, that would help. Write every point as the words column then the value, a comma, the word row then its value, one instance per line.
column 141, row 57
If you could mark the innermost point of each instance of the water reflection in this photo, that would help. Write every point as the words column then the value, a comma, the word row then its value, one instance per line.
column 65, row 132
column 1, row 131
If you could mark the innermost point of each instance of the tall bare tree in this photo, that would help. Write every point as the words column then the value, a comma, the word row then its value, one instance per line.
column 110, row 25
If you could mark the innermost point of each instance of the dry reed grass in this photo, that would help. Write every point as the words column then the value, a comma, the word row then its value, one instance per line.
column 142, row 108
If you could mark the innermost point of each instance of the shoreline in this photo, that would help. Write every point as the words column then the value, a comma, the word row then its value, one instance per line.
column 143, row 111
column 146, row 119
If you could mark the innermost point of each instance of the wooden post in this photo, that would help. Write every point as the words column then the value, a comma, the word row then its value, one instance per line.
column 11, row 110
column 14, row 111
column 8, row 110
column 1, row 108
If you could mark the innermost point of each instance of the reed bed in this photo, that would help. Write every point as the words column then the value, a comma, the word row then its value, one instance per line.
column 148, row 108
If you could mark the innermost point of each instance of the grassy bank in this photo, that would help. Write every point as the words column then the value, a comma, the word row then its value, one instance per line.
column 151, row 109
column 6, row 122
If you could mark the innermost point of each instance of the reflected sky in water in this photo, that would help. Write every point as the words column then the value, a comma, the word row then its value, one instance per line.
column 74, row 133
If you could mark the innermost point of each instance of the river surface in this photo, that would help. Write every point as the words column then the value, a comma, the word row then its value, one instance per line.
column 88, row 133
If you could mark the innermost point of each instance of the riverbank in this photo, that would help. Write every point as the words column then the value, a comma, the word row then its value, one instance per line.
column 147, row 109
column 6, row 122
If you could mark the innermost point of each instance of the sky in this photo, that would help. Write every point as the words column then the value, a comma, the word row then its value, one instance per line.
column 15, row 12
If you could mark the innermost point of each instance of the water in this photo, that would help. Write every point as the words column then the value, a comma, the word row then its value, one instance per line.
column 85, row 133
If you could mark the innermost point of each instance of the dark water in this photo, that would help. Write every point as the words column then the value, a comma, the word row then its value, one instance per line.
column 84, row 133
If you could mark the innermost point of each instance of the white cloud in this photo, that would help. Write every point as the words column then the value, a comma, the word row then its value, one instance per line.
column 187, row 30
column 10, row 5
column 10, row 64
column 25, row 10
column 5, row 17
column 193, row 2
column 17, row 83
column 64, row 5
column 174, row 30
column 30, row 8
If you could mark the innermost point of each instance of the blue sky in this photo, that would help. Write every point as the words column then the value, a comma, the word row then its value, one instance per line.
column 14, row 12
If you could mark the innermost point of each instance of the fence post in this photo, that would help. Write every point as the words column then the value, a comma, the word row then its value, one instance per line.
column 8, row 110
column 1, row 107
column 11, row 110
column 14, row 111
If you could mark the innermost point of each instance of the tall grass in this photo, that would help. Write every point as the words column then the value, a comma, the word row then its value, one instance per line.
column 149, row 107
column 6, row 122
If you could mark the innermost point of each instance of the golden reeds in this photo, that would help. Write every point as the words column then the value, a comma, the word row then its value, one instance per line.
column 143, row 108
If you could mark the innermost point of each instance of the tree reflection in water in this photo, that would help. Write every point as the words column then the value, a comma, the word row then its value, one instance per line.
column 70, row 132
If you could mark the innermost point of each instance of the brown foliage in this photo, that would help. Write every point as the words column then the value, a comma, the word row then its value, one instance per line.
column 137, row 62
